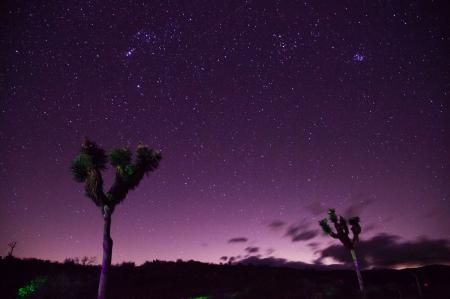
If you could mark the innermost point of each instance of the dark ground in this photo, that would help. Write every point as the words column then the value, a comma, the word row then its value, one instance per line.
column 198, row 280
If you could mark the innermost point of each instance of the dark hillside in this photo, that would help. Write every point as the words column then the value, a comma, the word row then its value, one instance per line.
column 33, row 278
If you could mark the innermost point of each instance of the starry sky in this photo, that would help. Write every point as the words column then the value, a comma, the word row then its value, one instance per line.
column 266, row 112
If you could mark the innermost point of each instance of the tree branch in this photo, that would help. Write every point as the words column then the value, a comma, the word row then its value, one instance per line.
column 94, row 187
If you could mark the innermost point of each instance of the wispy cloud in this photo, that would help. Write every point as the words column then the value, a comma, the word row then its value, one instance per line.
column 252, row 249
column 386, row 250
column 237, row 240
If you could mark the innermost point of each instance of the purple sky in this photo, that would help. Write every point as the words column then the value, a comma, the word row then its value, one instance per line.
column 264, row 112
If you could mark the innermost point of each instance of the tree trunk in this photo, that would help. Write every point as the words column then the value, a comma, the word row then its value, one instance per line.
column 358, row 273
column 107, row 253
column 419, row 289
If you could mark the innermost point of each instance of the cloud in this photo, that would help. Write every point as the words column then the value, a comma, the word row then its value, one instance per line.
column 269, row 251
column 313, row 245
column 280, row 262
column 386, row 250
column 358, row 203
column 293, row 230
column 251, row 250
column 272, row 262
column 306, row 235
column 316, row 208
column 369, row 227
column 276, row 224
column 300, row 232
column 224, row 258
column 237, row 240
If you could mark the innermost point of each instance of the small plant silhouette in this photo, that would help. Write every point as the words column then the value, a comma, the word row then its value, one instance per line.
column 87, row 167
column 11, row 246
column 342, row 234
column 88, row 260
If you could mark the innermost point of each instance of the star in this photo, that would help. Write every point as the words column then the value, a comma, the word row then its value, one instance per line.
column 358, row 57
column 130, row 52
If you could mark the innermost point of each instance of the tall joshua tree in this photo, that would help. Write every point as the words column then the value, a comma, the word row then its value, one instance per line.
column 87, row 167
column 342, row 233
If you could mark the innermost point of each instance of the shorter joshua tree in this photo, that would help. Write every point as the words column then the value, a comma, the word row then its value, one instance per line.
column 342, row 233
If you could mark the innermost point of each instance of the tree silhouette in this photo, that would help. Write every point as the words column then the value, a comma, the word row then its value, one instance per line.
column 87, row 167
column 11, row 246
column 342, row 233
column 86, row 260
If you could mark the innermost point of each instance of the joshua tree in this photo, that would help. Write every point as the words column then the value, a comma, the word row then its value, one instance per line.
column 11, row 246
column 340, row 224
column 87, row 167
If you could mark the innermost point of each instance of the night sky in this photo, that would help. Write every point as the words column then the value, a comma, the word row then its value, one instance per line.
column 266, row 113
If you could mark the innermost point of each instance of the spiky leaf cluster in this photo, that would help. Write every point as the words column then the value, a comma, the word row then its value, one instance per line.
column 130, row 169
column 87, row 167
column 356, row 227
column 325, row 227
column 332, row 214
column 80, row 166
column 147, row 158
column 354, row 220
column 120, row 157
column 97, row 154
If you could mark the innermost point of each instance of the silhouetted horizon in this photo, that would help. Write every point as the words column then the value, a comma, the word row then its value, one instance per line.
column 190, row 279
